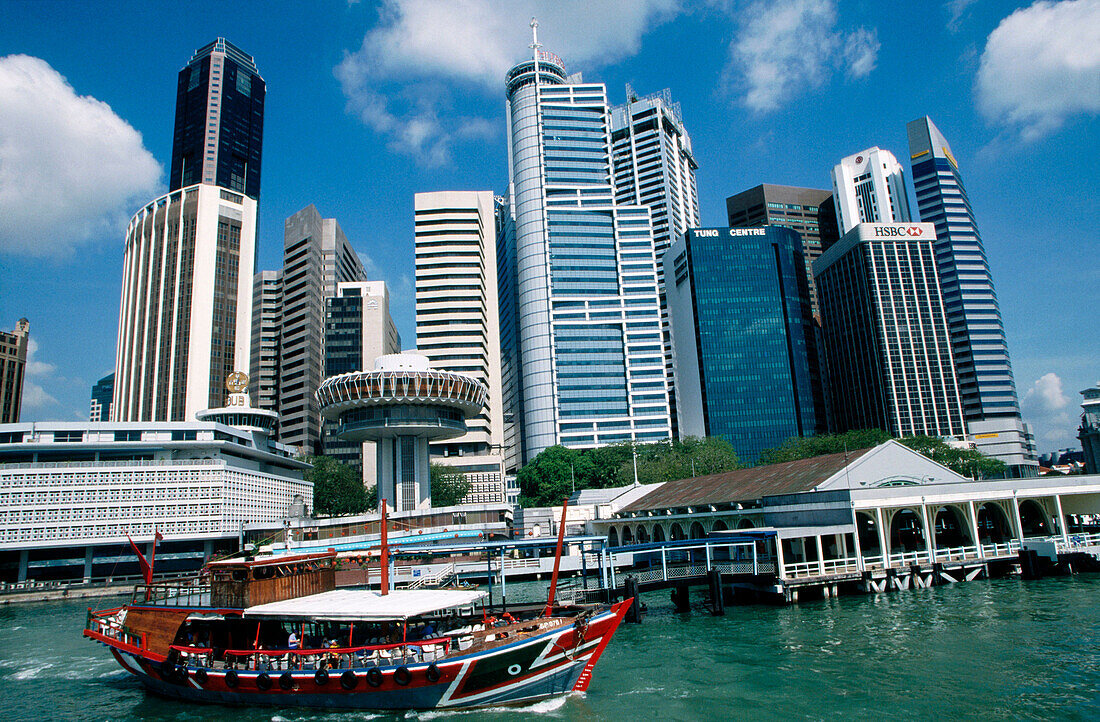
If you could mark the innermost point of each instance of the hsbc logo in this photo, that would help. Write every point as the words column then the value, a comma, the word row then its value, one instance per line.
column 898, row 231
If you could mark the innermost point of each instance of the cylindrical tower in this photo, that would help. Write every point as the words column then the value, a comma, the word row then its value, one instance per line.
column 402, row 405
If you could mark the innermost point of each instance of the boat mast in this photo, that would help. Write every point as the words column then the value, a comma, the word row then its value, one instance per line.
column 557, row 561
column 385, row 553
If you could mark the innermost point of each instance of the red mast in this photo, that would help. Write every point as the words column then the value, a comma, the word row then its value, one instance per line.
column 385, row 553
column 557, row 561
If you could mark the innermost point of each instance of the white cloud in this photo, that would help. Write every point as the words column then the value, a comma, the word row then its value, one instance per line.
column 1046, row 394
column 1041, row 65
column 409, row 69
column 784, row 48
column 956, row 9
column 35, row 373
column 69, row 167
column 1047, row 407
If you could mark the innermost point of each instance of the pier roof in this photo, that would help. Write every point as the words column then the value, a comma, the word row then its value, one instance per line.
column 740, row 485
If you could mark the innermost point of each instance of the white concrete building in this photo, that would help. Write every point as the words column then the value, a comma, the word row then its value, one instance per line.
column 267, row 316
column 185, row 317
column 458, row 323
column 869, row 187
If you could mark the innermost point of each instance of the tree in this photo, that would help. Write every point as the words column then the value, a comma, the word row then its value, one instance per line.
column 547, row 479
column 675, row 459
column 449, row 485
column 337, row 488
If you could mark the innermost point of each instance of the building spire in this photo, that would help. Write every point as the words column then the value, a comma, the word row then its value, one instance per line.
column 535, row 36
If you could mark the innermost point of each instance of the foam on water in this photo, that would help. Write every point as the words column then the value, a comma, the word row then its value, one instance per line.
column 546, row 706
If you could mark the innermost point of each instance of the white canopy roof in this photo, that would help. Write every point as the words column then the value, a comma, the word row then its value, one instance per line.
column 364, row 604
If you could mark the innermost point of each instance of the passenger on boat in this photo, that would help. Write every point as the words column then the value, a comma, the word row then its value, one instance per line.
column 292, row 640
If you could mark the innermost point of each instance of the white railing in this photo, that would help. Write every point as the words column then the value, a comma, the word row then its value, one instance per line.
column 1005, row 549
column 957, row 554
column 828, row 567
column 1077, row 542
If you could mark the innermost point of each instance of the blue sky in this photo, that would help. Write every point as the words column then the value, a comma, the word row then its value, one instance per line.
column 371, row 102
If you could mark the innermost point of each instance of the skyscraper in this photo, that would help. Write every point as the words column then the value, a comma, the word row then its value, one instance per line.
column 267, row 321
column 316, row 258
column 458, row 323
column 886, row 338
column 869, row 187
column 743, row 337
column 102, row 394
column 654, row 167
column 218, row 137
column 973, row 315
column 807, row 210
column 586, row 300
column 358, row 329
column 13, row 364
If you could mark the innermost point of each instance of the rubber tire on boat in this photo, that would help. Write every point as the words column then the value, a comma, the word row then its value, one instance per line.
column 374, row 677
column 181, row 673
column 348, row 680
column 167, row 671
column 286, row 681
column 232, row 679
column 264, row 681
column 321, row 677
column 201, row 676
column 402, row 675
column 432, row 673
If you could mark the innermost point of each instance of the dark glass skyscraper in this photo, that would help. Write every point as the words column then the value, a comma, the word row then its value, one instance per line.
column 742, row 337
column 219, row 121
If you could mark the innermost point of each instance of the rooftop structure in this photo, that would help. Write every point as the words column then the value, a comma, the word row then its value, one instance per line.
column 1089, row 431
column 13, row 364
column 869, row 187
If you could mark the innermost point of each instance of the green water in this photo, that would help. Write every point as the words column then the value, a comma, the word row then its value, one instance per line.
column 1005, row 649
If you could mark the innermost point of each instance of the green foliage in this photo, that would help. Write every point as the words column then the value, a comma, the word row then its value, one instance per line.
column 967, row 462
column 554, row 474
column 449, row 486
column 337, row 488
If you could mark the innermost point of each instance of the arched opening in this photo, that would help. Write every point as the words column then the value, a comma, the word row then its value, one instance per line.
column 658, row 533
column 642, row 536
column 696, row 531
column 628, row 536
column 1033, row 519
column 745, row 523
column 612, row 537
column 906, row 532
column 951, row 528
column 868, row 534
column 993, row 526
column 719, row 526
column 676, row 532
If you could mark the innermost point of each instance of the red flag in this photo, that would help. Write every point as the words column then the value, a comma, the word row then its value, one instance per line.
column 146, row 567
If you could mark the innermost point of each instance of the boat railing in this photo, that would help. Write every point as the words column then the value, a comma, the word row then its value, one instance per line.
column 179, row 592
column 107, row 624
column 370, row 655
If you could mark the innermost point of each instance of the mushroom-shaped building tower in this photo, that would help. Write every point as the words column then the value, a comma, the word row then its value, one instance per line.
column 402, row 405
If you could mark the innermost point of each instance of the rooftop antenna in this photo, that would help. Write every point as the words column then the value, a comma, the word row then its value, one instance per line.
column 535, row 35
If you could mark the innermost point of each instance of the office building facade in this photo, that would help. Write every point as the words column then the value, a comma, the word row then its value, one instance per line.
column 102, row 394
column 654, row 167
column 185, row 316
column 358, row 329
column 218, row 136
column 973, row 313
column 869, row 187
column 885, row 327
column 458, row 323
column 586, row 298
column 743, row 338
column 267, row 322
column 809, row 211
column 317, row 257
column 1089, row 431
column 13, row 367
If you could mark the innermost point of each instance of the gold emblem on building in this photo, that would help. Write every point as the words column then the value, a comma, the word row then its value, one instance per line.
column 236, row 382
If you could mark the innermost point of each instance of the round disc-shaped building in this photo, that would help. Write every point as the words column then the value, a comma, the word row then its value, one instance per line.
column 402, row 405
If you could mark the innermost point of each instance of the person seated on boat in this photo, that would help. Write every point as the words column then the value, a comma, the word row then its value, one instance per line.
column 333, row 659
column 292, row 640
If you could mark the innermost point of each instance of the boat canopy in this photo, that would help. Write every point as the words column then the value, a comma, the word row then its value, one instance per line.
column 364, row 604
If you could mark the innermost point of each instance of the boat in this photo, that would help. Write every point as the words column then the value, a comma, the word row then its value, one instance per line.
column 277, row 631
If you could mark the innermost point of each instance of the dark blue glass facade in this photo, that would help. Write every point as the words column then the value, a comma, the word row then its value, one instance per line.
column 219, row 120
column 758, row 361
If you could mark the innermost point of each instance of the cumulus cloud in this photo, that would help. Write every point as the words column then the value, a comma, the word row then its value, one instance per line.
column 69, row 167
column 36, row 372
column 1041, row 66
column 403, row 80
column 784, row 48
column 1047, row 407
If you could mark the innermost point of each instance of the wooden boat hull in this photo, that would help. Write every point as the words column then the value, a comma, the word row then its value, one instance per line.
column 556, row 662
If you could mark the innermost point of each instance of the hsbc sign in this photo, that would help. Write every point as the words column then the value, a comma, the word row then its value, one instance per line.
column 898, row 231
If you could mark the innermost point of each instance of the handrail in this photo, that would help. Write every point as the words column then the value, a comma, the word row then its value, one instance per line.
column 445, row 641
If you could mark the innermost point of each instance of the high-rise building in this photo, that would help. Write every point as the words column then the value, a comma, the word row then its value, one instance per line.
column 973, row 315
column 13, row 364
column 458, row 323
column 587, row 308
column 655, row 167
column 316, row 258
column 267, row 323
column 185, row 317
column 219, row 121
column 102, row 394
column 869, row 187
column 1089, row 431
column 807, row 210
column 743, row 337
column 886, row 339
column 358, row 329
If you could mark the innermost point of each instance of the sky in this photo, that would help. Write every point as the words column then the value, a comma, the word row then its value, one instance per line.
column 371, row 102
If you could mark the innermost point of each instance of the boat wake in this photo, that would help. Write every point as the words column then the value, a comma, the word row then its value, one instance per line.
column 546, row 706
